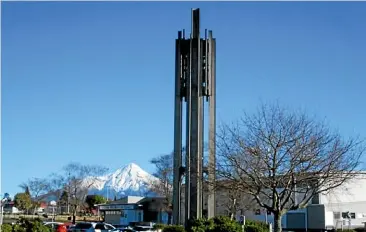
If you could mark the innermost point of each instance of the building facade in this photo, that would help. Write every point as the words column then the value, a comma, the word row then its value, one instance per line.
column 343, row 207
column 131, row 209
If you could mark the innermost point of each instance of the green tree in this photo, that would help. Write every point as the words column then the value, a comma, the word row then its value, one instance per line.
column 64, row 198
column 92, row 200
column 22, row 201
column 27, row 191
column 36, row 188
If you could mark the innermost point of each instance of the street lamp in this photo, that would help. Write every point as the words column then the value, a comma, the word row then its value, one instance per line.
column 3, row 201
column 53, row 205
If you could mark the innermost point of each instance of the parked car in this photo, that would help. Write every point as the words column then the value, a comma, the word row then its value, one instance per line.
column 56, row 226
column 143, row 229
column 93, row 227
column 70, row 228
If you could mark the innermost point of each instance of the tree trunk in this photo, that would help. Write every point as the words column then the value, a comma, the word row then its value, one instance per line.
column 277, row 227
column 74, row 215
column 169, row 218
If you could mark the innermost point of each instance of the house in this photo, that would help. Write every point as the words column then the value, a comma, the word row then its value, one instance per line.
column 132, row 209
column 9, row 208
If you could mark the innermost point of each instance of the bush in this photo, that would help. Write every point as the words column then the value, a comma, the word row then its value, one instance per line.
column 26, row 225
column 256, row 226
column 6, row 228
column 173, row 228
column 158, row 226
column 200, row 225
column 345, row 230
column 225, row 224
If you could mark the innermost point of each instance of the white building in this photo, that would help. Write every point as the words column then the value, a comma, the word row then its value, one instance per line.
column 131, row 210
column 325, row 211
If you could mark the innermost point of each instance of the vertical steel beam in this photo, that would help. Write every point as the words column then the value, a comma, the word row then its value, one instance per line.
column 177, row 131
column 196, row 124
column 211, row 62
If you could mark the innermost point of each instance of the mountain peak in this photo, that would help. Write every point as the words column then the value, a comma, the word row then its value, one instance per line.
column 131, row 179
column 132, row 166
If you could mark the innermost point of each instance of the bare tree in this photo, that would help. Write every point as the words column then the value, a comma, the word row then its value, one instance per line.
column 232, row 199
column 37, row 188
column 78, row 179
column 56, row 187
column 164, row 185
column 282, row 159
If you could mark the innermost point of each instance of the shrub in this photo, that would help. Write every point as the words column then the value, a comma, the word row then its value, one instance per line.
column 254, row 228
column 36, row 225
column 225, row 224
column 173, row 228
column 345, row 230
column 6, row 228
column 158, row 226
column 200, row 225
column 256, row 225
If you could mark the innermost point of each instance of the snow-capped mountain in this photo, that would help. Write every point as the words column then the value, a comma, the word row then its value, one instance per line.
column 128, row 180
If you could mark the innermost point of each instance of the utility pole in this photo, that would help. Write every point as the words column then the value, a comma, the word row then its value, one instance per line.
column 68, row 194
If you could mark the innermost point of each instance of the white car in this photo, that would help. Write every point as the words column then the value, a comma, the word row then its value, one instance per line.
column 93, row 227
column 143, row 229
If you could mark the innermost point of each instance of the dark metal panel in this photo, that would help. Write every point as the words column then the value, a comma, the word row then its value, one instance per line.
column 177, row 132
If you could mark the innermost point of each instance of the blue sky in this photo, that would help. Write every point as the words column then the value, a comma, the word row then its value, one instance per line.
column 93, row 82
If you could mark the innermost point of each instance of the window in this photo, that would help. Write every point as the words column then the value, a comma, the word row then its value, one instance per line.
column 348, row 215
column 109, row 227
column 83, row 226
column 258, row 212
column 315, row 199
column 337, row 215
column 99, row 226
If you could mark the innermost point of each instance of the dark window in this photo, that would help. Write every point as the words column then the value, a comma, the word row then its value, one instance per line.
column 258, row 212
column 100, row 227
column 315, row 199
column 138, row 228
column 109, row 227
column 83, row 226
column 348, row 215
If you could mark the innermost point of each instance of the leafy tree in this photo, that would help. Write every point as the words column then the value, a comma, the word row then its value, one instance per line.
column 93, row 200
column 64, row 198
column 282, row 159
column 22, row 201
column 36, row 188
column 27, row 191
